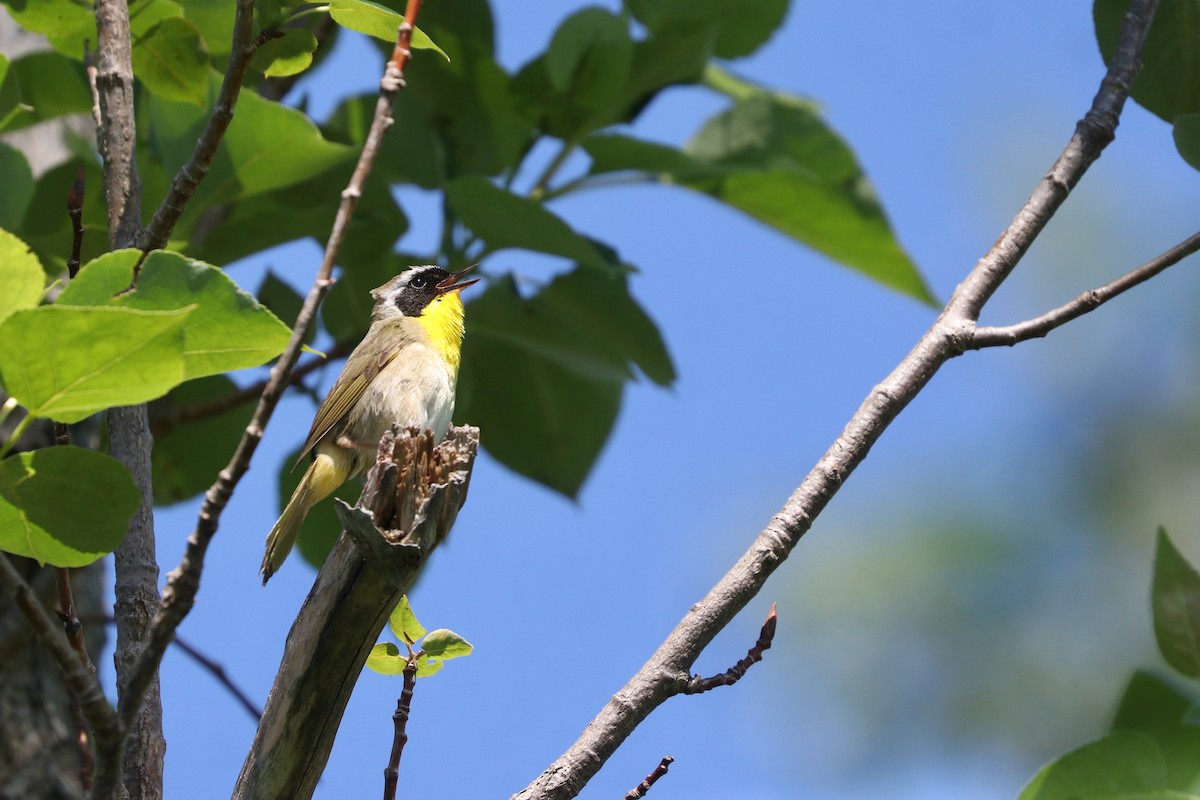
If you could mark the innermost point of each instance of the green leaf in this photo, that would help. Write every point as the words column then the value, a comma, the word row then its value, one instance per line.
column 188, row 455
column 289, row 54
column 268, row 146
column 1175, row 597
column 446, row 644
column 1169, row 83
column 1187, row 138
column 50, row 85
column 378, row 21
column 772, row 157
column 214, row 19
column 403, row 622
column 1156, row 707
column 385, row 659
column 20, row 273
column 617, row 153
column 503, row 220
column 64, row 505
column 229, row 330
column 1121, row 766
column 410, row 153
column 65, row 23
column 743, row 25
column 547, row 394
column 172, row 61
column 588, row 63
column 68, row 363
column 18, row 191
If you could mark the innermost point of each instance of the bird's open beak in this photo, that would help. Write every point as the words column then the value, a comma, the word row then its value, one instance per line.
column 454, row 283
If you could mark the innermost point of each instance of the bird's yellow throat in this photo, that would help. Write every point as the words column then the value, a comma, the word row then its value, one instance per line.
column 442, row 320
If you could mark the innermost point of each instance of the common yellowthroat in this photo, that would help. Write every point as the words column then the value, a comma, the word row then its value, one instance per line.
column 402, row 373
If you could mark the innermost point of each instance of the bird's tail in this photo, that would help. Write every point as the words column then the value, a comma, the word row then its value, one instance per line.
column 323, row 476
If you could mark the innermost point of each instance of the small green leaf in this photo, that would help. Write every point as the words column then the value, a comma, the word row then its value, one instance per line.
column 64, row 505
column 1175, row 597
column 503, row 220
column 172, row 61
column 18, row 191
column 547, row 394
column 188, row 455
column 446, row 644
column 1187, row 138
column 1120, row 766
column 378, row 21
column 229, row 329
column 403, row 622
column 385, row 659
column 68, row 363
column 20, row 273
column 1169, row 82
column 289, row 54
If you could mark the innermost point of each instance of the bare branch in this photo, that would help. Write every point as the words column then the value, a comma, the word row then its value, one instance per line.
column 222, row 677
column 1087, row 302
column 640, row 791
column 391, row 773
column 664, row 674
column 734, row 674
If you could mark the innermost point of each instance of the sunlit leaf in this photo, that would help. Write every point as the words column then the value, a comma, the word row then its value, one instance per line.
column 229, row 329
column 1156, row 707
column 67, row 363
column 385, row 659
column 445, row 644
column 404, row 624
column 378, row 21
column 64, row 506
column 20, row 273
column 288, row 54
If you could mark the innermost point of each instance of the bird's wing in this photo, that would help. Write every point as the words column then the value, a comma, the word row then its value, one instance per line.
column 356, row 376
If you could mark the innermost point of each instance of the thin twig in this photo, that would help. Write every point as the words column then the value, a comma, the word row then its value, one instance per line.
column 72, row 627
column 183, row 582
column 667, row 670
column 186, row 181
column 640, row 791
column 734, row 674
column 87, row 764
column 1087, row 302
column 75, row 210
column 391, row 774
column 218, row 672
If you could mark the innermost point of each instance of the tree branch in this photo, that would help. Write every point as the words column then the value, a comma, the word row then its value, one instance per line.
column 391, row 773
column 667, row 670
column 1087, row 302
column 641, row 790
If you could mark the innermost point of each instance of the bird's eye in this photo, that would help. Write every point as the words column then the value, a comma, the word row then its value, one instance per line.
column 419, row 282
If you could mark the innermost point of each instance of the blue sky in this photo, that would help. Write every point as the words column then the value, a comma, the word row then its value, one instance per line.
column 913, row 616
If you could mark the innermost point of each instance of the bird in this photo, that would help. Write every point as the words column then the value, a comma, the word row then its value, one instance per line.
column 402, row 373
